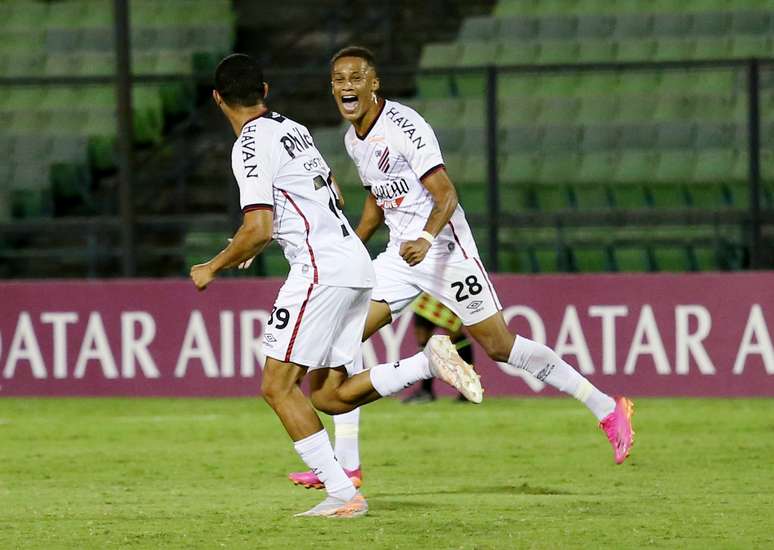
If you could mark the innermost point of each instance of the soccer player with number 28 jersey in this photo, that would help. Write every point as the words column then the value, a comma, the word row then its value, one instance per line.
column 431, row 247
column 287, row 194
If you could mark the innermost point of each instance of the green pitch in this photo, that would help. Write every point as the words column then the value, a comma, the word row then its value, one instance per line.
column 153, row 473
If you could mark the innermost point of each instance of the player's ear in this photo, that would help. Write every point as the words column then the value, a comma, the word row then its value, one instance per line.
column 265, row 90
column 216, row 97
column 375, row 84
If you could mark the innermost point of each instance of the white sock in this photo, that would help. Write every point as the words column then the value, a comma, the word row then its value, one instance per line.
column 348, row 425
column 544, row 364
column 347, row 450
column 390, row 378
column 315, row 450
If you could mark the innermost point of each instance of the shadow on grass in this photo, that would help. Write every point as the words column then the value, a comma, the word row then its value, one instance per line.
column 523, row 489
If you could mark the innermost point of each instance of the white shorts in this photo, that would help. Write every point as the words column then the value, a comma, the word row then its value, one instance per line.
column 462, row 285
column 316, row 326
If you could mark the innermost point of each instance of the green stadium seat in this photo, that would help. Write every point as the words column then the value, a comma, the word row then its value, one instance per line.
column 672, row 24
column 559, row 110
column 672, row 258
column 474, row 54
column 596, row 51
column 557, row 28
column 596, row 169
column 547, row 260
column 595, row 27
column 675, row 107
column 640, row 83
column 520, row 168
column 715, row 136
column 638, row 136
column 473, row 197
column 473, row 114
column 590, row 196
column 596, row 138
column 517, row 85
column 704, row 258
column 667, row 195
column 594, row 110
column 750, row 22
column 514, row 111
column 711, row 48
column 675, row 135
column 557, row 52
column 450, row 139
column 708, row 195
column 444, row 112
column 633, row 109
column 592, row 85
column 559, row 84
column 25, row 15
column 24, row 65
column 631, row 259
column 714, row 166
column 591, row 260
column 516, row 53
column 743, row 47
column 675, row 167
column 517, row 30
column 518, row 261
column 559, row 168
column 674, row 49
column 435, row 56
column 479, row 28
column 474, row 171
column 561, row 138
column 633, row 27
column 519, row 139
column 711, row 24
column 514, row 197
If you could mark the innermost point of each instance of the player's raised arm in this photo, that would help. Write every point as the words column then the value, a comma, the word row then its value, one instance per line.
column 370, row 220
column 445, row 201
column 250, row 239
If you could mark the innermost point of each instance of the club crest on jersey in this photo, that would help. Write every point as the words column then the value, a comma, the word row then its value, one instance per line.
column 384, row 159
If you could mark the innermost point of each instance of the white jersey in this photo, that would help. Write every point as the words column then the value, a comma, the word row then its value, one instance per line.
column 277, row 166
column 392, row 158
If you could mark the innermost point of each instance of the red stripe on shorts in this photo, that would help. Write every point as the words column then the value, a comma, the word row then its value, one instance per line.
column 486, row 278
column 464, row 254
column 298, row 324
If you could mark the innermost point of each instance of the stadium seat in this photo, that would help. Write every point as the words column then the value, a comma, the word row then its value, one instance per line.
column 520, row 168
column 672, row 258
column 558, row 169
column 559, row 110
column 516, row 53
column 596, row 51
column 675, row 135
column 558, row 52
column 595, row 27
column 714, row 166
column 435, row 56
column 514, row 111
column 474, row 54
column 675, row 167
column 631, row 259
column 596, row 168
column 674, row 49
column 591, row 260
column 479, row 28
column 667, row 195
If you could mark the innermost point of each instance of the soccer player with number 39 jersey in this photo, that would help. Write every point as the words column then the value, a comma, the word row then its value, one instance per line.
column 288, row 194
column 431, row 247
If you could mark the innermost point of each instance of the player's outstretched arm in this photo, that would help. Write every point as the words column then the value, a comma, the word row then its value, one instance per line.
column 444, row 203
column 370, row 220
column 250, row 239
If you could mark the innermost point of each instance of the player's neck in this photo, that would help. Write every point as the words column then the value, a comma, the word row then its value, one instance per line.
column 364, row 124
column 241, row 116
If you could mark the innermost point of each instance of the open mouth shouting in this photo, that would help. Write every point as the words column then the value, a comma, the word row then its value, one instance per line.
column 349, row 103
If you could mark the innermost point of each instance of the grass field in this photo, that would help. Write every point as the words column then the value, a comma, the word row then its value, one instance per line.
column 106, row 473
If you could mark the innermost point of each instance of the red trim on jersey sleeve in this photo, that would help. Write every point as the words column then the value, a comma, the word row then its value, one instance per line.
column 257, row 206
column 306, row 224
column 373, row 123
column 432, row 171
column 298, row 323
column 464, row 254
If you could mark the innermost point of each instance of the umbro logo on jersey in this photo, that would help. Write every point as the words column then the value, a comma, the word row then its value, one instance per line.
column 384, row 160
column 474, row 304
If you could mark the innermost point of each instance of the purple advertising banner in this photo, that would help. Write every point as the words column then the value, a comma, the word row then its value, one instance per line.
column 642, row 335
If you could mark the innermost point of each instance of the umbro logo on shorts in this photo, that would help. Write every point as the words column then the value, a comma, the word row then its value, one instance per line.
column 474, row 304
column 269, row 338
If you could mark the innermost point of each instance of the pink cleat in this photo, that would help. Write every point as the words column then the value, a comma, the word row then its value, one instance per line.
column 309, row 480
column 618, row 428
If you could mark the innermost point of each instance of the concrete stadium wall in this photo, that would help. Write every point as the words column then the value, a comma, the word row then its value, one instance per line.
column 643, row 335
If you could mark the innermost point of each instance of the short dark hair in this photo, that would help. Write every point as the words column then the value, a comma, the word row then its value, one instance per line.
column 355, row 51
column 239, row 80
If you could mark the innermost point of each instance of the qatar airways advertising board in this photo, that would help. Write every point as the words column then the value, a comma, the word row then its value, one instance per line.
column 640, row 335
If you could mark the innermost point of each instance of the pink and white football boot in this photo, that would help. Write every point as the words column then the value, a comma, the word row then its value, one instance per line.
column 618, row 428
column 310, row 480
